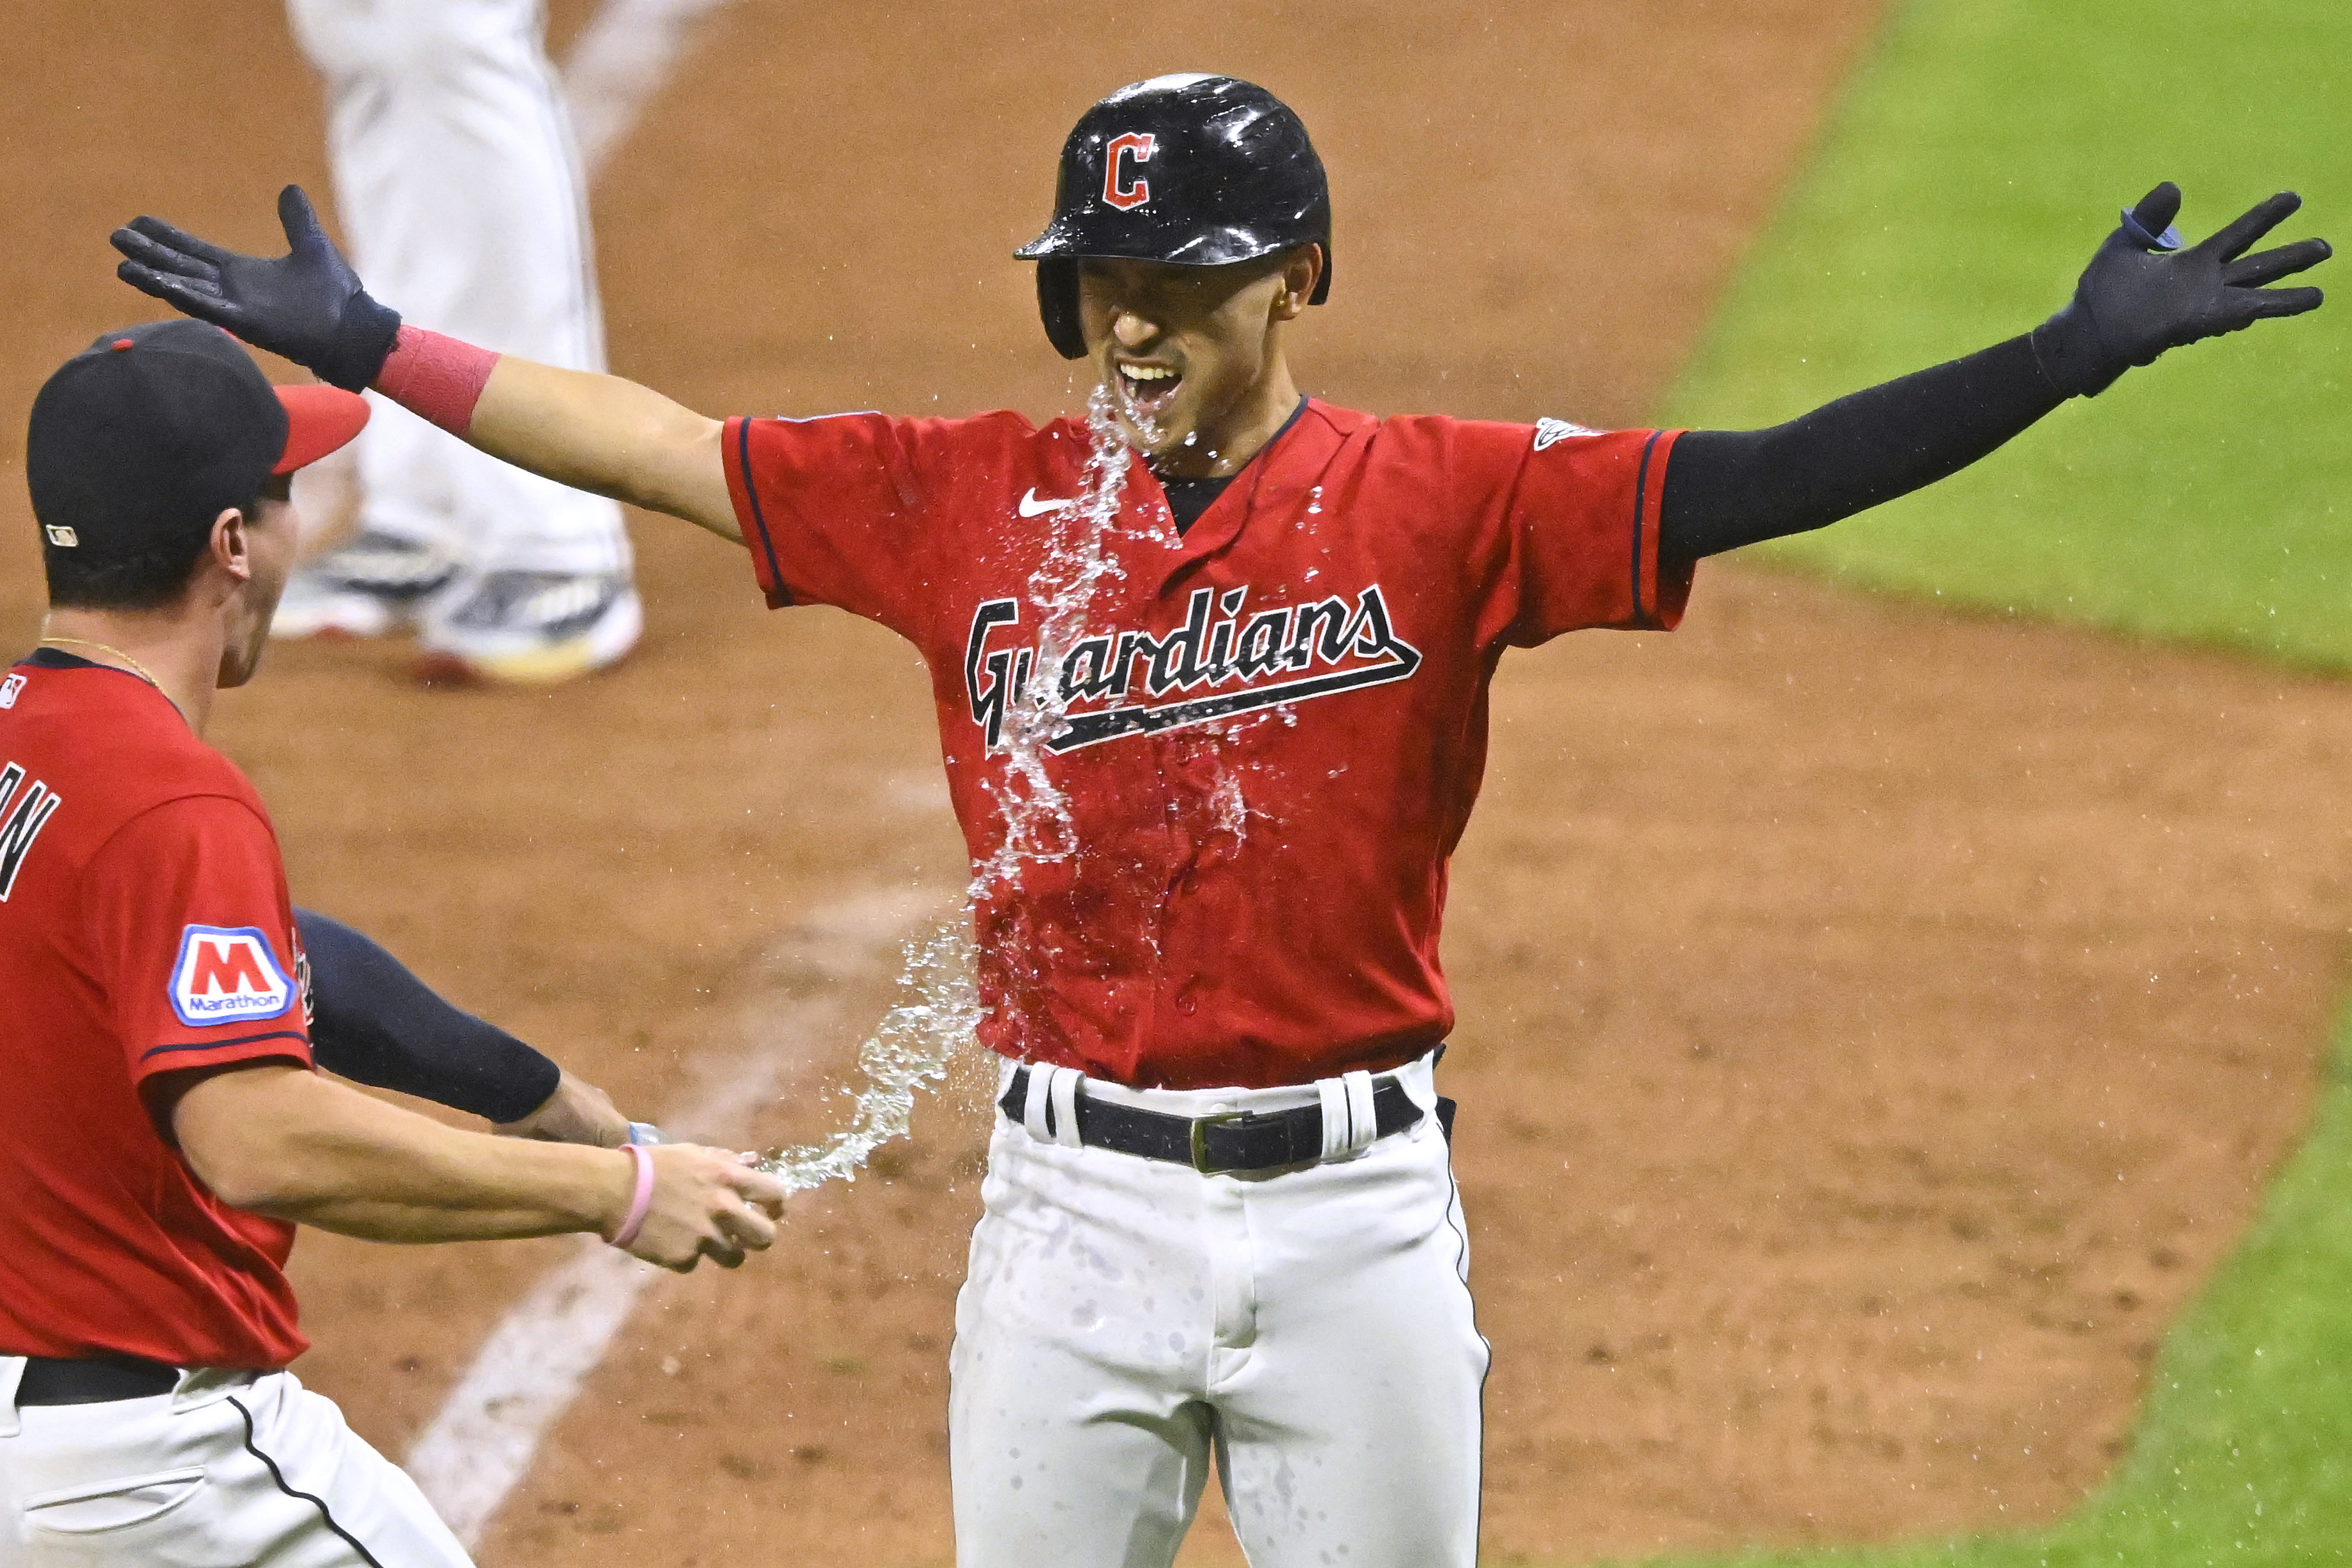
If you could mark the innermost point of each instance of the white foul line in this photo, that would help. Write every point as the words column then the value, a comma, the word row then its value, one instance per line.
column 480, row 1444
column 529, row 1371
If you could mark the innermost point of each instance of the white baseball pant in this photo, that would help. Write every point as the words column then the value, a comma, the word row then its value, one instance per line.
column 230, row 1467
column 459, row 191
column 1125, row 1323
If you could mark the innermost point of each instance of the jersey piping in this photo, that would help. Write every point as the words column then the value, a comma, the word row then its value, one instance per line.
column 1212, row 490
column 224, row 1044
column 1640, row 497
column 758, row 518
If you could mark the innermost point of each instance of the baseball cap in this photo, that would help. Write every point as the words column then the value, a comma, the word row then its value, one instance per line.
column 140, row 440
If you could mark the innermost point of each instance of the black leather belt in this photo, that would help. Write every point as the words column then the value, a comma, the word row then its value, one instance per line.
column 48, row 1381
column 1229, row 1141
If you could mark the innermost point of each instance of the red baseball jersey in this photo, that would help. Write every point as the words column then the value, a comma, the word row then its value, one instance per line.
column 145, row 929
column 1275, row 723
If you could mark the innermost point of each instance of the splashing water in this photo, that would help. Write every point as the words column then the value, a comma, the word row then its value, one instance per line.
column 939, row 1010
column 939, row 1006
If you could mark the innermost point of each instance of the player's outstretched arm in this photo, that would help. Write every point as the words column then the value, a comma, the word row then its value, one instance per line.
column 374, row 1023
column 592, row 432
column 280, row 1140
column 2144, row 293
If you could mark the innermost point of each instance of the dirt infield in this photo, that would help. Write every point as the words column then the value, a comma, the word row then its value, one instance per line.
column 1874, row 1024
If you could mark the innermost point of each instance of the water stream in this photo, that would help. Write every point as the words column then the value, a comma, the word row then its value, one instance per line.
column 939, row 1006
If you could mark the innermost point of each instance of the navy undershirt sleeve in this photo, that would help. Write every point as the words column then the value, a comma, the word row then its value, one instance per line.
column 1726, row 489
column 375, row 1023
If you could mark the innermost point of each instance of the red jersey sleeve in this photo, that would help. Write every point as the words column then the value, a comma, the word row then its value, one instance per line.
column 847, row 509
column 1580, row 526
column 191, row 934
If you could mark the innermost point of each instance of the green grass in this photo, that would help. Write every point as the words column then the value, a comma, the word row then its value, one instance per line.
column 1979, row 157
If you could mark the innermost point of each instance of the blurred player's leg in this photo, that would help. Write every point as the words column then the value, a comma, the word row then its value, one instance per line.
column 460, row 192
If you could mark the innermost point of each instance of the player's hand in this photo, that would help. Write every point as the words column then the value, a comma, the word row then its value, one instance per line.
column 577, row 1112
column 706, row 1203
column 306, row 305
column 2144, row 293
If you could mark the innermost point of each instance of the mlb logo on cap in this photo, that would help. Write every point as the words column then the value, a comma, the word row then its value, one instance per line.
column 227, row 975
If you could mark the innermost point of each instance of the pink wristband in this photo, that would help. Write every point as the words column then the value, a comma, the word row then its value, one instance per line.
column 435, row 378
column 641, row 1201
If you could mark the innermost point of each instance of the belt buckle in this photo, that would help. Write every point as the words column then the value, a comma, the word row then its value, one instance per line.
column 1201, row 1140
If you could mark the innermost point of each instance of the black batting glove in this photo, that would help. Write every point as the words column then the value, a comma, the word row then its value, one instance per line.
column 306, row 306
column 2143, row 293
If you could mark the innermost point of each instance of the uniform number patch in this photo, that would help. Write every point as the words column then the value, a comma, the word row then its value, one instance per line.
column 228, row 974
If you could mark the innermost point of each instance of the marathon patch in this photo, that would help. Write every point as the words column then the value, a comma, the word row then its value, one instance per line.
column 228, row 974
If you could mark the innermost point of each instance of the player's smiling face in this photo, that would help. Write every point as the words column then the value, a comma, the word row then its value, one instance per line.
column 1192, row 354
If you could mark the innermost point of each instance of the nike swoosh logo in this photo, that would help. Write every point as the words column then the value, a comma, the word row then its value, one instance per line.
column 1030, row 506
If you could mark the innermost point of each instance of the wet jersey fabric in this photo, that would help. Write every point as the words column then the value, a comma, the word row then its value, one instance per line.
column 145, row 929
column 1277, row 722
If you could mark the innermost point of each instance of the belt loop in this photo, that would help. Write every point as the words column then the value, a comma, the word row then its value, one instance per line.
column 1334, row 1095
column 1065, row 1102
column 1350, row 1122
column 1050, row 1112
column 12, row 1372
column 202, row 1385
column 1363, row 1120
column 1033, row 1109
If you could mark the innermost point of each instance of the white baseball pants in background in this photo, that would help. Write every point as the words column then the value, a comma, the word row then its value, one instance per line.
column 459, row 192
column 229, row 1468
column 1125, row 1323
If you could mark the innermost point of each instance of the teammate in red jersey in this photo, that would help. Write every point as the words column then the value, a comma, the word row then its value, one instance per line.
column 1212, row 685
column 161, row 1128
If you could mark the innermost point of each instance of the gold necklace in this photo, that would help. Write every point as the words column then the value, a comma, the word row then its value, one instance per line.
column 136, row 667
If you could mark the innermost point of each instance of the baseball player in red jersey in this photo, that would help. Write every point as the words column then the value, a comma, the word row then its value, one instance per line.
column 1210, row 672
column 161, row 1128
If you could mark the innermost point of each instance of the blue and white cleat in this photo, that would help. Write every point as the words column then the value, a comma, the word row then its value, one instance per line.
column 529, row 628
column 376, row 584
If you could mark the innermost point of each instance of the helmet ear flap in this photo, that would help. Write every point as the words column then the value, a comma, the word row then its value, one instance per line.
column 1057, row 305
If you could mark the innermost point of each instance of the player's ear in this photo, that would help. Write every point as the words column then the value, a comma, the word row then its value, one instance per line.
column 231, row 545
column 1300, row 269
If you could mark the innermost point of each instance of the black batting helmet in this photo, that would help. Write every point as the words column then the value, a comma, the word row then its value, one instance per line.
column 1202, row 170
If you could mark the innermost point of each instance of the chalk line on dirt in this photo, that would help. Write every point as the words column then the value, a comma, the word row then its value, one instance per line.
column 482, row 1441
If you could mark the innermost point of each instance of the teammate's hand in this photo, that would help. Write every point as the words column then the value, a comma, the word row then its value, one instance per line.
column 706, row 1203
column 2143, row 294
column 306, row 306
column 577, row 1112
